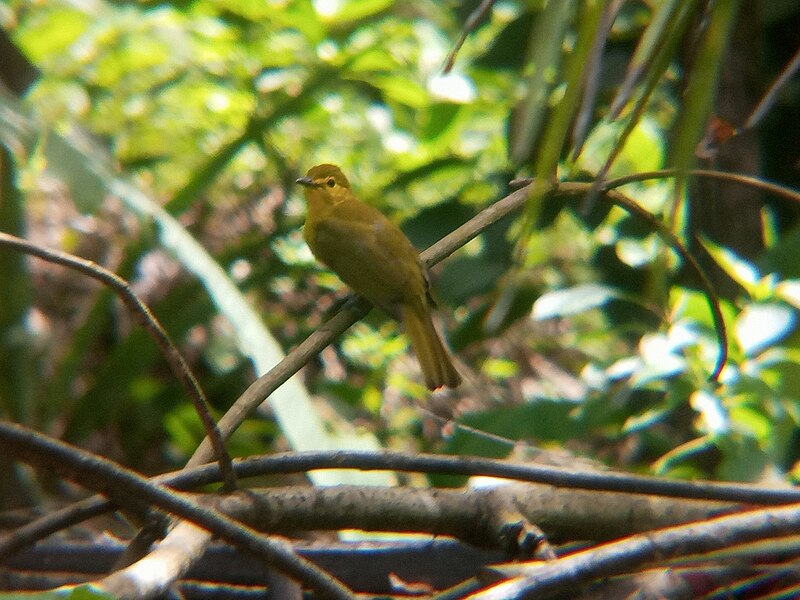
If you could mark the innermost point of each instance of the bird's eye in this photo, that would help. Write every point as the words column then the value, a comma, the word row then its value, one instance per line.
column 331, row 182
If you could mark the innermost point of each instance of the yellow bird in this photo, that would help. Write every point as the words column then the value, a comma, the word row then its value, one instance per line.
column 375, row 258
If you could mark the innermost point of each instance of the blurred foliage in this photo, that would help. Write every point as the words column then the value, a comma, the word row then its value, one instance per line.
column 591, row 338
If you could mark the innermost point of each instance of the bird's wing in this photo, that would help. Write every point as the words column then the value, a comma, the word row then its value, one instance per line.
column 370, row 254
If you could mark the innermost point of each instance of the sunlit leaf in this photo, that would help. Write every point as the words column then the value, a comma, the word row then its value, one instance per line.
column 643, row 150
column 751, row 419
column 452, row 88
column 741, row 271
column 638, row 252
column 497, row 368
column 715, row 417
column 574, row 300
column 351, row 10
column 761, row 325
column 789, row 291
column 52, row 32
column 645, row 420
column 661, row 359
column 404, row 91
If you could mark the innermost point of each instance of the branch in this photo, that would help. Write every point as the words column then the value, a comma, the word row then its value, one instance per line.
column 148, row 320
column 469, row 26
column 262, row 387
column 126, row 487
column 300, row 462
column 748, row 180
column 482, row 517
column 544, row 578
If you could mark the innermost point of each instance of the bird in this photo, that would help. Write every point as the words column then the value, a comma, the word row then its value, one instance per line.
column 373, row 257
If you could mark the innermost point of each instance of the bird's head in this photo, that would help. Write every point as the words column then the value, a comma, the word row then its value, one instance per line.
column 326, row 182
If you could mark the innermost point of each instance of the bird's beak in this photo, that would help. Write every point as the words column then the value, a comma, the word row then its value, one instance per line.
column 306, row 181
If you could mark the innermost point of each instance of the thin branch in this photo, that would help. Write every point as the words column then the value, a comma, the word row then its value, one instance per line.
column 469, row 26
column 126, row 486
column 52, row 522
column 151, row 324
column 756, row 182
column 260, row 389
column 672, row 240
column 574, row 188
column 544, row 578
column 768, row 101
column 446, row 562
column 301, row 462
column 708, row 288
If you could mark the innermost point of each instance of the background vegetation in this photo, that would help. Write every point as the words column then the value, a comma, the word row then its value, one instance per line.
column 162, row 140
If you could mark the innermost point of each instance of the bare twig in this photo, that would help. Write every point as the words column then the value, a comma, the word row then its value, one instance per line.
column 469, row 26
column 300, row 462
column 768, row 101
column 126, row 486
column 260, row 389
column 151, row 324
column 670, row 238
column 756, row 182
column 540, row 579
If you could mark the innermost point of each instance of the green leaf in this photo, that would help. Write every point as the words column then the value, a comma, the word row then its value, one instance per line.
column 745, row 273
column 643, row 149
column 17, row 369
column 574, row 300
column 52, row 32
column 403, row 90
column 716, row 419
column 439, row 124
column 762, row 325
column 499, row 368
column 88, row 592
column 545, row 420
column 742, row 459
column 81, row 592
column 357, row 10
column 67, row 160
column 702, row 85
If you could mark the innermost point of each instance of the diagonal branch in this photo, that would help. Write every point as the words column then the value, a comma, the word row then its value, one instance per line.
column 262, row 387
column 151, row 324
column 577, row 569
column 301, row 462
column 127, row 486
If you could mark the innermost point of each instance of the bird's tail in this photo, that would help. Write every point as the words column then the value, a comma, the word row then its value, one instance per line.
column 433, row 357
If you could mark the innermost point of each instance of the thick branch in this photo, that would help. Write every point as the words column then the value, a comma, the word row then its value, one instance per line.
column 480, row 517
column 126, row 486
